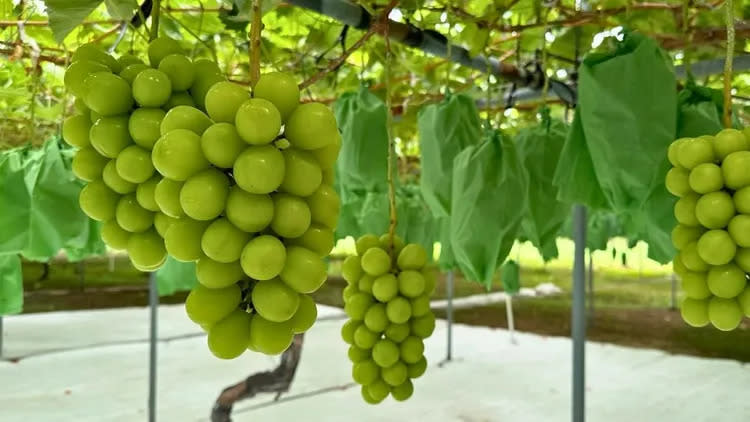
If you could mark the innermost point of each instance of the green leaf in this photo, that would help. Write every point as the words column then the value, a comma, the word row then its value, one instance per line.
column 121, row 9
column 65, row 15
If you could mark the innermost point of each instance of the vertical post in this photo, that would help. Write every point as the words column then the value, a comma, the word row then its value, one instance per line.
column 591, row 287
column 1, row 336
column 578, row 317
column 153, row 303
column 509, row 315
column 449, row 315
column 674, row 292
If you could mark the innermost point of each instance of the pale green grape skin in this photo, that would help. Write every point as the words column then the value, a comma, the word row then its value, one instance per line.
column 98, row 201
column 181, row 98
column 274, row 300
column 204, row 195
column 248, row 211
column 367, row 397
column 217, row 275
column 131, row 71
column 160, row 48
column 324, row 206
column 269, row 337
column 306, row 314
column 378, row 390
column 114, row 181
column 257, row 121
column 423, row 326
column 162, row 222
column 311, row 126
column 109, row 135
column 145, row 194
column 127, row 59
column 365, row 283
column 177, row 155
column 131, row 216
column 351, row 269
column 291, row 217
column 222, row 145
column 410, row 283
column 209, row 306
column 412, row 257
column 357, row 355
column 385, row 287
column 328, row 155
column 180, row 71
column 259, row 169
column 376, row 262
column 303, row 270
column 317, row 238
column 107, row 94
column 263, row 258
column 223, row 242
column 207, row 73
column 357, row 305
column 114, row 236
column 80, row 107
column 146, row 249
column 302, row 173
column 417, row 369
column 395, row 374
column 75, row 131
column 366, row 242
column 348, row 329
column 94, row 52
column 364, row 338
column 229, row 338
column 397, row 332
column 412, row 349
column 183, row 239
column 88, row 164
column 144, row 124
column 185, row 117
column 167, row 197
column 223, row 100
column 420, row 305
column 152, row 88
column 403, row 392
column 76, row 73
column 94, row 117
column 134, row 164
column 398, row 310
column 365, row 372
column 281, row 90
column 385, row 353
column 376, row 319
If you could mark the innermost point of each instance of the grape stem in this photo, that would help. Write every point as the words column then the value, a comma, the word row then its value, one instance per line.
column 389, row 128
column 256, row 26
column 155, row 9
column 729, row 5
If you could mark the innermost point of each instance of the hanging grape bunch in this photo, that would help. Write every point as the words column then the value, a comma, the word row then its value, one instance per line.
column 388, row 302
column 181, row 162
column 711, row 176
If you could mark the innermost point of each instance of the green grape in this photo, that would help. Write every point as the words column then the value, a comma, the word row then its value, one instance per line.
column 280, row 89
column 365, row 372
column 167, row 197
column 183, row 239
column 80, row 107
column 365, row 283
column 223, row 242
column 378, row 390
column 131, row 216
column 366, row 242
column 302, row 174
column 395, row 374
column 95, row 53
column 146, row 249
column 224, row 99
column 207, row 73
column 726, row 281
column 222, row 145
column 329, row 176
column 274, row 300
column 375, row 318
column 397, row 332
column 358, row 305
column 317, row 238
column 204, row 194
column 248, row 211
column 114, row 181
column 418, row 368
column 269, row 337
column 98, row 201
column 328, row 155
column 303, row 270
column 306, row 314
column 385, row 243
column 325, row 206
column 351, row 269
column 162, row 222
column 229, row 338
column 127, row 59
column 311, row 126
column 94, row 118
column 181, row 98
column 364, row 338
column 423, row 326
column 744, row 300
column 410, row 283
column 357, row 355
column 259, row 169
column 209, row 306
column 180, row 71
column 88, row 164
column 160, row 48
column 257, row 121
column 385, row 353
column 134, row 164
column 144, row 124
column 131, row 71
column 109, row 135
column 420, row 305
column 348, row 329
column 177, row 155
column 152, row 88
column 291, row 217
column 385, row 287
column 695, row 312
column 349, row 291
column 216, row 275
column 185, row 117
column 75, row 131
column 403, row 392
column 76, row 74
column 412, row 257
column 398, row 310
column 412, row 349
column 145, row 194
column 263, row 257
column 367, row 397
column 107, row 94
column 114, row 236
column 376, row 262
column 430, row 280
column 694, row 285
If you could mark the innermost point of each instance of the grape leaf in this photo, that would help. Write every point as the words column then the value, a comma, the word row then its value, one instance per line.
column 65, row 15
column 121, row 9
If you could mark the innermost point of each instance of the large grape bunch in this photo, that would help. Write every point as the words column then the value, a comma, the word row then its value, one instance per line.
column 711, row 177
column 388, row 302
column 181, row 162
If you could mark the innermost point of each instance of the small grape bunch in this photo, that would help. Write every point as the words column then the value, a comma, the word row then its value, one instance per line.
column 387, row 300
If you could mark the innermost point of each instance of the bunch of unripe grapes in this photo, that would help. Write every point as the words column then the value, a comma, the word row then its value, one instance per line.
column 388, row 302
column 181, row 162
column 711, row 177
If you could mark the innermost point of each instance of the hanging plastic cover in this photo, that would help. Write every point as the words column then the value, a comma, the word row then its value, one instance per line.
column 445, row 129
column 700, row 111
column 416, row 222
column 539, row 148
column 510, row 276
column 489, row 200
column 11, row 285
column 14, row 202
column 175, row 276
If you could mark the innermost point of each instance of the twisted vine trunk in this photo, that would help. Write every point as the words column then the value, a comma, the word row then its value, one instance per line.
column 276, row 381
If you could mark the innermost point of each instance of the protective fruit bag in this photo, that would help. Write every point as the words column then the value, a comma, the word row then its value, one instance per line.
column 11, row 284
column 15, row 200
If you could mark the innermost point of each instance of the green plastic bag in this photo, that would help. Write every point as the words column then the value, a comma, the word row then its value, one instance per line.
column 700, row 111
column 11, row 284
column 602, row 226
column 88, row 243
column 445, row 129
column 489, row 200
column 175, row 276
column 510, row 276
column 416, row 223
column 539, row 148
column 446, row 261
column 15, row 202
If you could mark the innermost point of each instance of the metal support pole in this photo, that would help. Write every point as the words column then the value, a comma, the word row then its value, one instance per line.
column 509, row 315
column 674, row 292
column 578, row 317
column 591, row 287
column 153, row 303
column 449, row 315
